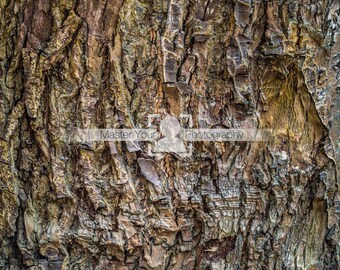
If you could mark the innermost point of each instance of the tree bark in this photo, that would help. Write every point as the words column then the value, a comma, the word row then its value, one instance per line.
column 229, row 64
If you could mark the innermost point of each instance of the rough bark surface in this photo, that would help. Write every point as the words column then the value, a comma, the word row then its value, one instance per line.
column 108, row 64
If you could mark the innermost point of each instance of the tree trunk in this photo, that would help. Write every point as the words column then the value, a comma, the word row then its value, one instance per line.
column 110, row 64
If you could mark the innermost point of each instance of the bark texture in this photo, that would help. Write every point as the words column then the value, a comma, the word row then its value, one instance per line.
column 108, row 64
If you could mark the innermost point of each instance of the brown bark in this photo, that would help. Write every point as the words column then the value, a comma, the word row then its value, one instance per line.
column 109, row 64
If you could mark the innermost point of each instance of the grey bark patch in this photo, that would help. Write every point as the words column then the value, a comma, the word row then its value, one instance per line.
column 132, row 146
column 149, row 171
